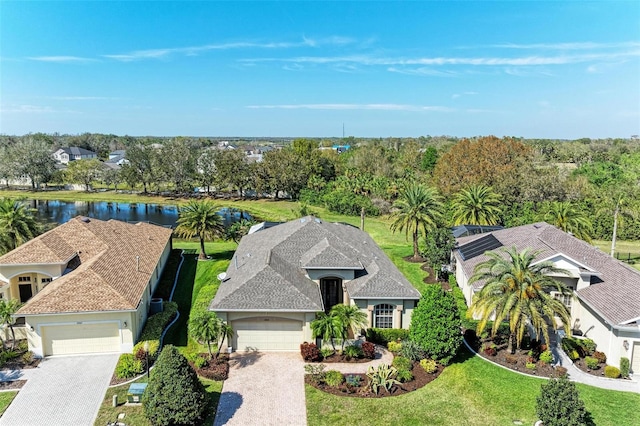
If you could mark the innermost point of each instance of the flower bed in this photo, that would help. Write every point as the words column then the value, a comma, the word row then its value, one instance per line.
column 19, row 358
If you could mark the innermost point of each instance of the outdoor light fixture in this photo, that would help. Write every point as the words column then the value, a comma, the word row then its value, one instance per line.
column 125, row 324
column 625, row 345
column 146, row 356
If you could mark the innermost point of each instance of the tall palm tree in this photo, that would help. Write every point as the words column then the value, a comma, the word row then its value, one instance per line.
column 327, row 327
column 517, row 289
column 476, row 205
column 200, row 219
column 17, row 224
column 417, row 207
column 350, row 317
column 567, row 217
column 8, row 308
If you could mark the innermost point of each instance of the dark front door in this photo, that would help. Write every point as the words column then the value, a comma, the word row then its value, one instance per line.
column 331, row 290
column 25, row 292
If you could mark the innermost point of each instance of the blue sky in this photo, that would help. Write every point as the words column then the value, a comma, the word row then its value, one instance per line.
column 303, row 68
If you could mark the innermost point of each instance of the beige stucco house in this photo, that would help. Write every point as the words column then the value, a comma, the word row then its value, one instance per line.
column 86, row 285
column 606, row 302
column 281, row 275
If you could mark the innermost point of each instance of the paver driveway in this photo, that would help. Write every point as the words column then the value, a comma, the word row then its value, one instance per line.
column 62, row 391
column 263, row 388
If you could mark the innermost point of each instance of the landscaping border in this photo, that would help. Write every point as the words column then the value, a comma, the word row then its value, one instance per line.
column 501, row 366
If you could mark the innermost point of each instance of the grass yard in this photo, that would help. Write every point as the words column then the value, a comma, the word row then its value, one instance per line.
column 469, row 392
column 625, row 250
column 5, row 400
column 134, row 415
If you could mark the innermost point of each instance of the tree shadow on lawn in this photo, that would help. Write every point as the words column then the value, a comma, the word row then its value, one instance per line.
column 177, row 334
column 221, row 255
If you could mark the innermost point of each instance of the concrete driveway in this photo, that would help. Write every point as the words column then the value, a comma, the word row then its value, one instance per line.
column 263, row 388
column 62, row 391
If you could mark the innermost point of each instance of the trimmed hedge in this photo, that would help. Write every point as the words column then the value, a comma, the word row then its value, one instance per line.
column 158, row 322
column 611, row 372
column 624, row 367
column 382, row 336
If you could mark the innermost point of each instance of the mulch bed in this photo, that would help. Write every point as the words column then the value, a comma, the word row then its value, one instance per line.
column 420, row 379
column 15, row 384
column 521, row 356
column 216, row 369
column 18, row 364
column 342, row 359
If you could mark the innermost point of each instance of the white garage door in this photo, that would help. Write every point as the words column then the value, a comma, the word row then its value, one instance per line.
column 80, row 338
column 635, row 362
column 267, row 334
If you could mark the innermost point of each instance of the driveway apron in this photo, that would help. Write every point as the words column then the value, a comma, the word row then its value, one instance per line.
column 263, row 388
column 62, row 391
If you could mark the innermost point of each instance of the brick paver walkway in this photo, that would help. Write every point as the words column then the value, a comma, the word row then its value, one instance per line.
column 62, row 391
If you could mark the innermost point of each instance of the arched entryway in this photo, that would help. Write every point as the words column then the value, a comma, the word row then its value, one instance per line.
column 331, row 291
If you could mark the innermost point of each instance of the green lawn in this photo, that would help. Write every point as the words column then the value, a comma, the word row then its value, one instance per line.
column 134, row 415
column 469, row 392
column 5, row 400
column 625, row 249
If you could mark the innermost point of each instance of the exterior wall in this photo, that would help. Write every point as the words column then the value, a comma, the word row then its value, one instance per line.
column 463, row 283
column 10, row 274
column 37, row 322
column 402, row 312
column 304, row 317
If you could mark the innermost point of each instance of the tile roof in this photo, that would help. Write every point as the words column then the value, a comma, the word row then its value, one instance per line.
column 109, row 277
column 616, row 295
column 267, row 271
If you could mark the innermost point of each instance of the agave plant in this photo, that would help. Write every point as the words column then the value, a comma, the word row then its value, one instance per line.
column 382, row 377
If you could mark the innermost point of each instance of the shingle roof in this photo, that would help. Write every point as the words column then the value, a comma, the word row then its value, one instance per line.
column 109, row 276
column 616, row 295
column 75, row 150
column 267, row 271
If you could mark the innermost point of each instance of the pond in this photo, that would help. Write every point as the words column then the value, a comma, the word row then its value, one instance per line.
column 54, row 211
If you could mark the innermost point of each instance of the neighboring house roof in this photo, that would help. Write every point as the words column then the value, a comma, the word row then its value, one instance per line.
column 74, row 150
column 615, row 294
column 109, row 264
column 268, row 270
column 467, row 230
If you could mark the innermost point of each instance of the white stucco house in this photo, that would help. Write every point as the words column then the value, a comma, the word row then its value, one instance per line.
column 606, row 302
column 86, row 284
column 282, row 274
column 73, row 153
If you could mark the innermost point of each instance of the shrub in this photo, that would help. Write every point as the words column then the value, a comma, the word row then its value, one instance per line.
column 128, row 366
column 200, row 362
column 490, row 349
column 154, row 347
column 368, row 350
column 413, row 351
column 346, row 202
column 333, row 378
column 315, row 371
column 429, row 365
column 559, row 404
column 27, row 357
column 384, row 376
column 326, row 352
column 546, row 357
column 22, row 346
column 402, row 363
column 611, row 372
column 531, row 365
column 404, row 376
column 156, row 323
column 588, row 345
column 309, row 352
column 624, row 367
column 394, row 347
column 382, row 336
column 591, row 362
column 435, row 324
column 174, row 394
column 573, row 347
column 511, row 359
column 352, row 351
column 352, row 380
column 561, row 371
column 600, row 356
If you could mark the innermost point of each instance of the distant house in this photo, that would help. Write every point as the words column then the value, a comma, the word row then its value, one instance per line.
column 116, row 159
column 281, row 275
column 86, row 285
column 606, row 306
column 73, row 153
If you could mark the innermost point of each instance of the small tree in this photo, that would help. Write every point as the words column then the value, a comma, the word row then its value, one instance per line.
column 174, row 395
column 8, row 308
column 204, row 326
column 438, row 246
column 327, row 327
column 435, row 324
column 559, row 404
column 348, row 317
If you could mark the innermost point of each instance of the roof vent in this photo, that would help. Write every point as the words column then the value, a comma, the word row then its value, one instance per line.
column 85, row 219
column 222, row 276
column 303, row 220
column 317, row 220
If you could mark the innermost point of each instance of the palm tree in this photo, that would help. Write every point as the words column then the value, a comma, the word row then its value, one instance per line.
column 204, row 326
column 476, row 205
column 418, row 207
column 517, row 289
column 226, row 332
column 567, row 217
column 350, row 317
column 200, row 219
column 17, row 224
column 8, row 308
column 327, row 327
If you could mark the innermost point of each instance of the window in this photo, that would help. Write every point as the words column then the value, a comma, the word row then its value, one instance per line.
column 45, row 280
column 383, row 316
column 564, row 298
column 24, row 279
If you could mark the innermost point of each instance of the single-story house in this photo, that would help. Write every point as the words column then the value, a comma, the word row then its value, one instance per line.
column 73, row 153
column 86, row 284
column 606, row 306
column 281, row 275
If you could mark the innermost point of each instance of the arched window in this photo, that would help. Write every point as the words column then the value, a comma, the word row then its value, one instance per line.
column 383, row 316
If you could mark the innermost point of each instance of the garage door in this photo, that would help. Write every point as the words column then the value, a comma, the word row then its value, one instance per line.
column 80, row 338
column 635, row 362
column 267, row 334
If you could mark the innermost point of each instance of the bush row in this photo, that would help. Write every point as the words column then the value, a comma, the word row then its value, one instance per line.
column 382, row 336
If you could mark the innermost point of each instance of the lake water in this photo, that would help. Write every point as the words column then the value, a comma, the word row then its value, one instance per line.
column 55, row 211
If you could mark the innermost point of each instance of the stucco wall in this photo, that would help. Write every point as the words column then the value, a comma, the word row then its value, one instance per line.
column 405, row 314
column 317, row 274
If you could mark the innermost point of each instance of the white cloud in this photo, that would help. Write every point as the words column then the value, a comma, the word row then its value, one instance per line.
column 61, row 59
column 568, row 46
column 82, row 98
column 458, row 95
column 370, row 107
column 32, row 109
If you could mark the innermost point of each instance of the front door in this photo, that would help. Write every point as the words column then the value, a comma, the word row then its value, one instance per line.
column 331, row 290
column 25, row 292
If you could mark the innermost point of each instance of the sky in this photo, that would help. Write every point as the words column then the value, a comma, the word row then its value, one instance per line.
column 560, row 69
